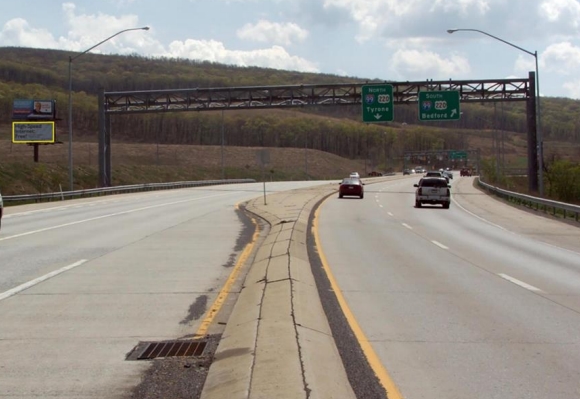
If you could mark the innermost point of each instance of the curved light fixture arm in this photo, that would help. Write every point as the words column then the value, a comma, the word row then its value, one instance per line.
column 492, row 36
column 107, row 39
column 70, row 132
column 539, row 137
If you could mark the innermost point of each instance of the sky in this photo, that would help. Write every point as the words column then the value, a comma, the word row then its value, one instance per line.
column 396, row 40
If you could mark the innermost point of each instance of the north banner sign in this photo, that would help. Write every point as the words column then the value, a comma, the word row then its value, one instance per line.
column 439, row 105
column 377, row 103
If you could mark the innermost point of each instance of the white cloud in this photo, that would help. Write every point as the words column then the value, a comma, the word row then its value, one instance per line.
column 420, row 64
column 463, row 7
column 273, row 32
column 563, row 11
column 274, row 57
column 563, row 58
column 375, row 16
column 17, row 32
column 87, row 30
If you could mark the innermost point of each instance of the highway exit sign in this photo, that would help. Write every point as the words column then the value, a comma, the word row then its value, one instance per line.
column 457, row 155
column 439, row 105
column 377, row 103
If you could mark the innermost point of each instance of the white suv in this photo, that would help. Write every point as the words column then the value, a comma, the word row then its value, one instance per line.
column 433, row 190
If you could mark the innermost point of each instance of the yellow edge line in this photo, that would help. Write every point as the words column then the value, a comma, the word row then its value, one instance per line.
column 222, row 296
column 380, row 371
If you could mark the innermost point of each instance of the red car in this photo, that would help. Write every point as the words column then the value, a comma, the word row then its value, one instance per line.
column 465, row 172
column 351, row 187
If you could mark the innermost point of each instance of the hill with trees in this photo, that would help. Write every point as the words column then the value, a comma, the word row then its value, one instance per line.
column 499, row 130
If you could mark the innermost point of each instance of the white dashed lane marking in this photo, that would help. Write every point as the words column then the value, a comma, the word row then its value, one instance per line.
column 520, row 283
column 439, row 244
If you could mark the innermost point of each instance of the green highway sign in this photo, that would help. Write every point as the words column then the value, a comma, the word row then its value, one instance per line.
column 439, row 105
column 457, row 155
column 377, row 103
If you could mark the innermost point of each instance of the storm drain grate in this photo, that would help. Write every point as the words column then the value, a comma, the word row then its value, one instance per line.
column 178, row 348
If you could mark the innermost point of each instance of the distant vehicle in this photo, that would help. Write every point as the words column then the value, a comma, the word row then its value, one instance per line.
column 435, row 173
column 420, row 169
column 351, row 187
column 464, row 172
column 408, row 171
column 447, row 173
column 375, row 174
column 1, row 209
column 355, row 175
column 432, row 190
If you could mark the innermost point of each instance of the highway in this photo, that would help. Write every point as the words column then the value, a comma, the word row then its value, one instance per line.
column 478, row 301
column 83, row 281
column 458, row 305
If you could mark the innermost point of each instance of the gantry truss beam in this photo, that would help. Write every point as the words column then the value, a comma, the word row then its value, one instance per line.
column 257, row 97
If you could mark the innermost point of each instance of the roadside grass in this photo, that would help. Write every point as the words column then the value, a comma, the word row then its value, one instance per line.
column 151, row 163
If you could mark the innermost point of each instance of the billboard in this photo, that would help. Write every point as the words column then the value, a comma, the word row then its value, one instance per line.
column 34, row 110
column 32, row 132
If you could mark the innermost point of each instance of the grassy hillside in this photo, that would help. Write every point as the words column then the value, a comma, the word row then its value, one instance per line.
column 181, row 146
column 150, row 163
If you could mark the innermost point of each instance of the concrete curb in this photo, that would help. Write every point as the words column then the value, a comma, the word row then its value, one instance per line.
column 277, row 337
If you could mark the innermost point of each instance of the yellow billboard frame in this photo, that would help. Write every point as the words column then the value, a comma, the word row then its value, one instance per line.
column 51, row 141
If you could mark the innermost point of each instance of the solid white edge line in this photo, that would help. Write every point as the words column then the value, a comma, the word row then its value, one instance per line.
column 439, row 244
column 479, row 217
column 390, row 213
column 407, row 226
column 31, row 283
column 505, row 229
column 520, row 283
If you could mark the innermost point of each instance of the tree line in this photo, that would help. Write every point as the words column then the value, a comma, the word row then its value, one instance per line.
column 26, row 72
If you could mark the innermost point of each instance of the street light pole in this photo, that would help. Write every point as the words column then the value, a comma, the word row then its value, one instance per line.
column 70, row 132
column 539, row 138
column 222, row 148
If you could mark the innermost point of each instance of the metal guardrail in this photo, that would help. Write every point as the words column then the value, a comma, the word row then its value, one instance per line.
column 557, row 208
column 91, row 192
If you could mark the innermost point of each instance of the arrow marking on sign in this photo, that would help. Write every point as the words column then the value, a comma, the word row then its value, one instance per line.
column 453, row 112
column 378, row 116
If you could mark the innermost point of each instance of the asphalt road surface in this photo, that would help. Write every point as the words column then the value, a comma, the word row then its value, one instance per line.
column 83, row 281
column 456, row 306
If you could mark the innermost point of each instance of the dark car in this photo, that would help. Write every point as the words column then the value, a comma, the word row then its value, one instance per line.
column 407, row 171
column 465, row 172
column 435, row 173
column 351, row 187
column 448, row 174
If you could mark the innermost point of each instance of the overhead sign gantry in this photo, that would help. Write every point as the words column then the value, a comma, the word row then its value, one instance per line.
column 261, row 97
